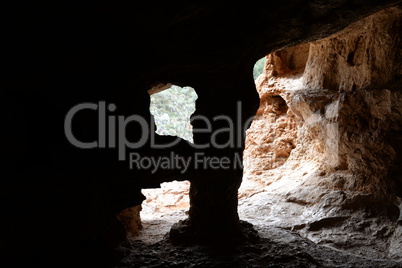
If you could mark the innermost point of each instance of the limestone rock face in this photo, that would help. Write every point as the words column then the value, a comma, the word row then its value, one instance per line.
column 170, row 197
column 328, row 137
column 368, row 58
column 273, row 133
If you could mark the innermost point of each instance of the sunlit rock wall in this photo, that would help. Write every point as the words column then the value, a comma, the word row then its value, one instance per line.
column 327, row 137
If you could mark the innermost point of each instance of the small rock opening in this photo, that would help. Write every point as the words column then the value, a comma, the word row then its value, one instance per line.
column 162, row 208
column 171, row 107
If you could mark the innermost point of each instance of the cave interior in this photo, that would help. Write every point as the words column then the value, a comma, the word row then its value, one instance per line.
column 321, row 182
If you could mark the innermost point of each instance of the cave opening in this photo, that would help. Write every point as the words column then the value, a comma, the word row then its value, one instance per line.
column 171, row 107
column 162, row 208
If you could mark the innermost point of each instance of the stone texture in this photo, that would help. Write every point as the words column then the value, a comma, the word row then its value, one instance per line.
column 340, row 184
column 367, row 58
column 275, row 248
column 170, row 197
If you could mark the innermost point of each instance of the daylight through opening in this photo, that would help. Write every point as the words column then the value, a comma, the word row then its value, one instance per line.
column 171, row 109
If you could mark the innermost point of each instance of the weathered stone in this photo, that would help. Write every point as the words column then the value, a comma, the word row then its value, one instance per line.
column 339, row 185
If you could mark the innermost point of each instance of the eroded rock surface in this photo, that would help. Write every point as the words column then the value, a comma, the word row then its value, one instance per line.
column 328, row 166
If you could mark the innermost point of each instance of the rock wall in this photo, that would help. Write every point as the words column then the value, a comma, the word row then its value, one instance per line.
column 328, row 137
column 273, row 133
column 131, row 219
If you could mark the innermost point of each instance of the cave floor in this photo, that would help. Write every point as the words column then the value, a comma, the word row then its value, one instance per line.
column 280, row 243
column 275, row 248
